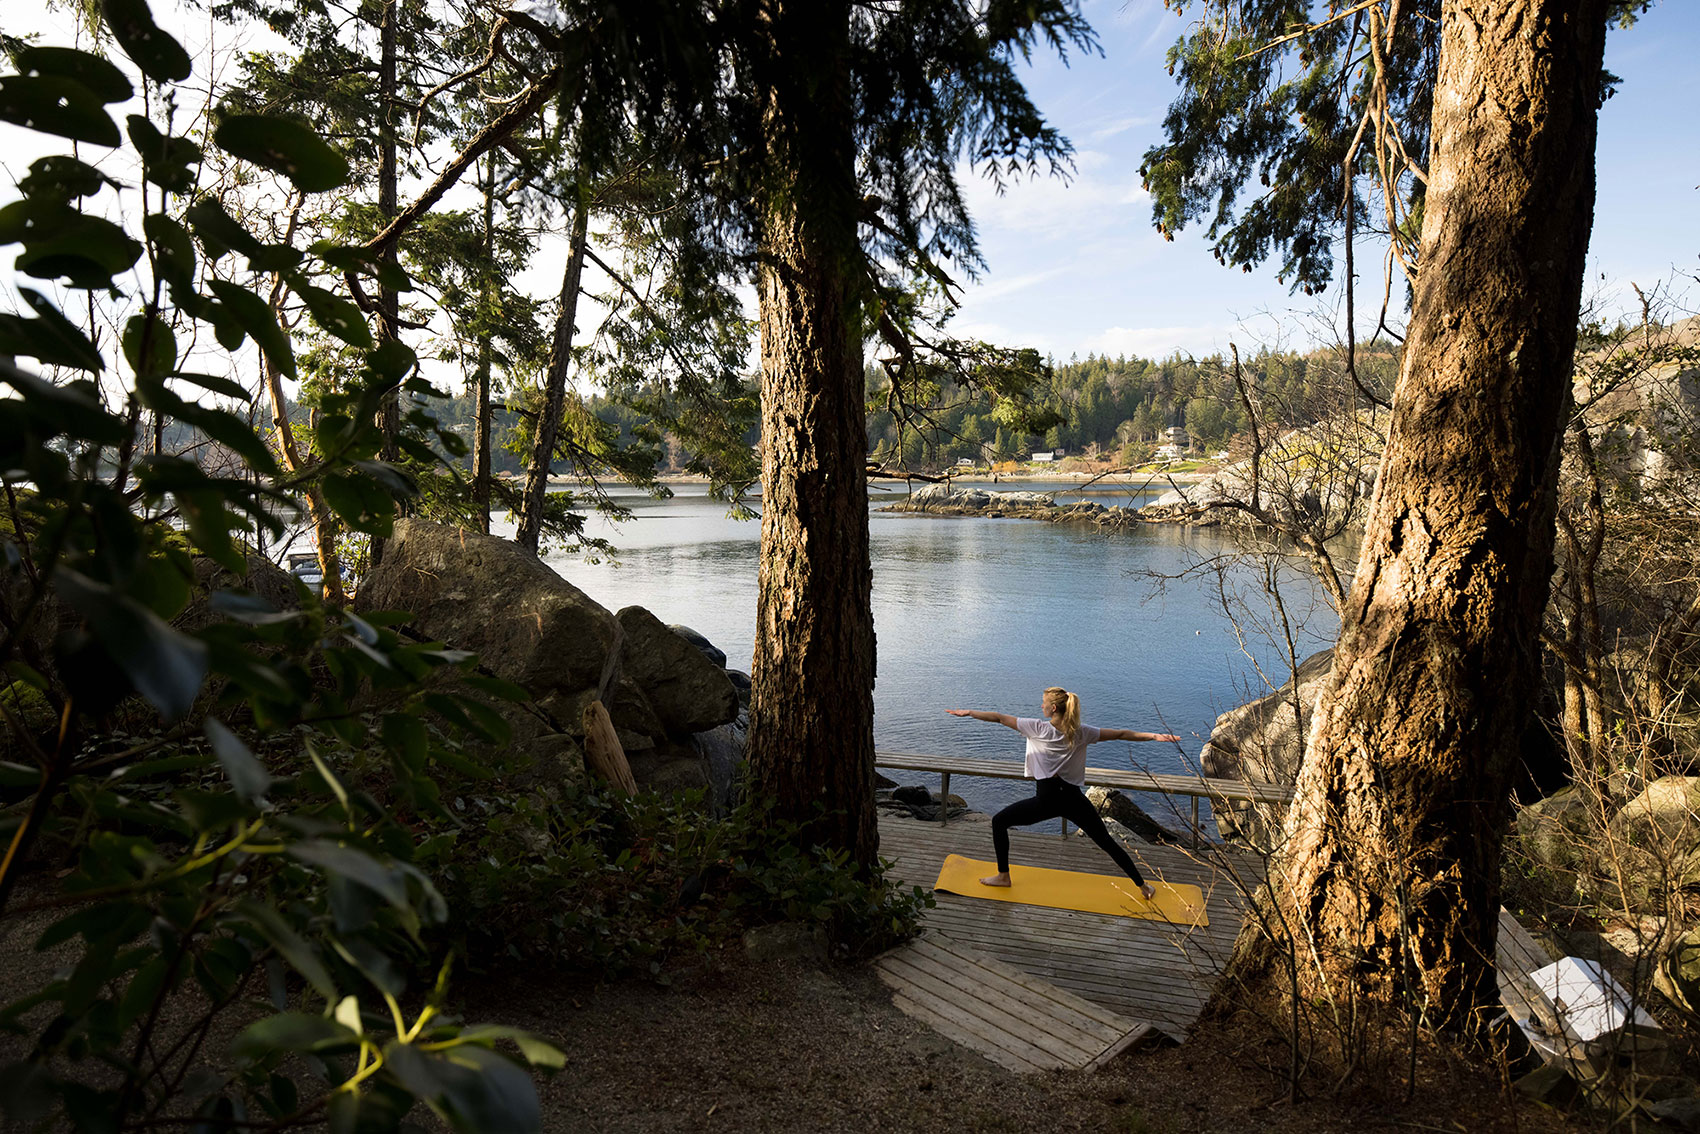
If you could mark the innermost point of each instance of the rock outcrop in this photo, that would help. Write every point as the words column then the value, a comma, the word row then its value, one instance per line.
column 530, row 626
column 1263, row 741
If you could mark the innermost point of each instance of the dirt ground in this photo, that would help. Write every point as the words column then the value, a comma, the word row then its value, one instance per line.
column 792, row 1046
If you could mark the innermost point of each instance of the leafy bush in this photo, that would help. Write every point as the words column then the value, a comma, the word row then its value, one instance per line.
column 600, row 882
column 226, row 877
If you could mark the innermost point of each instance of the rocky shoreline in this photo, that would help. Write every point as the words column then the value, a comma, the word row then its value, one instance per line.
column 944, row 500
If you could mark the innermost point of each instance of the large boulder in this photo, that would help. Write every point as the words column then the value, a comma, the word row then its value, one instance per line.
column 1663, row 818
column 488, row 595
column 528, row 625
column 264, row 579
column 688, row 692
column 1263, row 742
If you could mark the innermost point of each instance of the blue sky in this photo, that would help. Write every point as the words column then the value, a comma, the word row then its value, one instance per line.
column 1077, row 268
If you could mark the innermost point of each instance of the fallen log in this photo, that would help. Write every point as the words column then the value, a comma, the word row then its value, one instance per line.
column 603, row 751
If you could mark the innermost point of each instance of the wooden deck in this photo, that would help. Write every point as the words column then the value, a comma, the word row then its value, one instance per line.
column 1135, row 967
column 1010, row 1017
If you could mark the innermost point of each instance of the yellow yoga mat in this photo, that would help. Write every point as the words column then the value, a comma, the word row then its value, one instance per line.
column 1067, row 890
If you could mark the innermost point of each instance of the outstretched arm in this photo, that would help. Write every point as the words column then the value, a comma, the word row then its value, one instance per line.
column 1130, row 734
column 981, row 715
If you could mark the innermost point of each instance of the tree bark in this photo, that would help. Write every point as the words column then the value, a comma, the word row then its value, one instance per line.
column 1391, row 862
column 530, row 528
column 811, row 747
column 481, row 417
column 389, row 301
column 327, row 529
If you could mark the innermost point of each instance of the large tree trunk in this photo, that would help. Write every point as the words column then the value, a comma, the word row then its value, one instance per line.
column 1392, row 856
column 389, row 301
column 811, row 746
column 530, row 526
column 481, row 418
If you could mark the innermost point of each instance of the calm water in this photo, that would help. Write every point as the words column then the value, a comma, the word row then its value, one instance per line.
column 982, row 614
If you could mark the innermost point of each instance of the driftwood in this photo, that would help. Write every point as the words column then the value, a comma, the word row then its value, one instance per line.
column 1113, row 804
column 602, row 749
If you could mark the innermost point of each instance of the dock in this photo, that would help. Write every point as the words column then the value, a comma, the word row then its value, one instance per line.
column 1143, row 971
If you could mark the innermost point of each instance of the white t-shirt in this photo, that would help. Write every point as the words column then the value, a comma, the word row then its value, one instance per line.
column 1050, row 754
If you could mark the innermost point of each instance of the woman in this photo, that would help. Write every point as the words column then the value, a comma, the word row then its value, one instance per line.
column 1056, row 759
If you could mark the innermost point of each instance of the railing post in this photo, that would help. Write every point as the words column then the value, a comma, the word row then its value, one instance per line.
column 944, row 798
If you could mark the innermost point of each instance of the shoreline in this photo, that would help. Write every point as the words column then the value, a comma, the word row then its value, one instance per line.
column 1116, row 481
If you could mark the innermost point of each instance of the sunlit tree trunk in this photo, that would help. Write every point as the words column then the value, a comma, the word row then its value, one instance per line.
column 811, row 716
column 1392, row 858
column 530, row 527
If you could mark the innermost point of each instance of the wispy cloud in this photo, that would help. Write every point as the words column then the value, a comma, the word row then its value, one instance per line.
column 1120, row 126
column 1160, row 342
column 998, row 288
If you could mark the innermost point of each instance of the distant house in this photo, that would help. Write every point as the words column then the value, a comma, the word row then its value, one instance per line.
column 1219, row 455
column 964, row 462
column 1046, row 458
column 1169, row 452
column 1174, row 435
column 1060, row 453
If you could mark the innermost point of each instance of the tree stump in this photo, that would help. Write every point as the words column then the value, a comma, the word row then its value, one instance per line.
column 602, row 749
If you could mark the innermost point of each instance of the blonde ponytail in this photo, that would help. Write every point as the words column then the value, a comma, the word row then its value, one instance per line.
column 1069, row 710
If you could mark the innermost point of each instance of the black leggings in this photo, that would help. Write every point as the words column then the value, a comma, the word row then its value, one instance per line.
column 1058, row 799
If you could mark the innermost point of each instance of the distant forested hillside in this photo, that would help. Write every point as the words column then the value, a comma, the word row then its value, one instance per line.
column 1110, row 409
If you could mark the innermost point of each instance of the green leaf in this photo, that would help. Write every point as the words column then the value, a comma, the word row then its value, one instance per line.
column 87, row 250
column 357, row 258
column 247, row 775
column 50, row 338
column 173, row 250
column 291, row 1031
column 149, row 346
column 335, row 314
column 537, row 1051
column 285, row 147
column 166, row 160
column 226, row 386
column 355, row 865
column 159, row 56
column 405, row 733
column 103, row 80
column 64, row 178
column 59, row 106
column 254, row 315
column 229, row 429
column 164, row 665
column 291, row 946
column 476, row 1089
column 143, row 990
column 219, row 231
column 361, row 502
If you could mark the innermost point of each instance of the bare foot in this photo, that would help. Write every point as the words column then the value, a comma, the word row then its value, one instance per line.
column 996, row 880
column 1148, row 890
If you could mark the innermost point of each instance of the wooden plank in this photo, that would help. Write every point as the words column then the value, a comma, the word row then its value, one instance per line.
column 1102, row 1021
column 1071, row 1012
column 976, row 969
column 1131, row 969
column 1119, row 1046
column 930, row 982
column 957, row 1034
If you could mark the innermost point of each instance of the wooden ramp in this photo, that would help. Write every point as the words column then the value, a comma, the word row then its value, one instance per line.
column 1011, row 1018
column 1136, row 968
